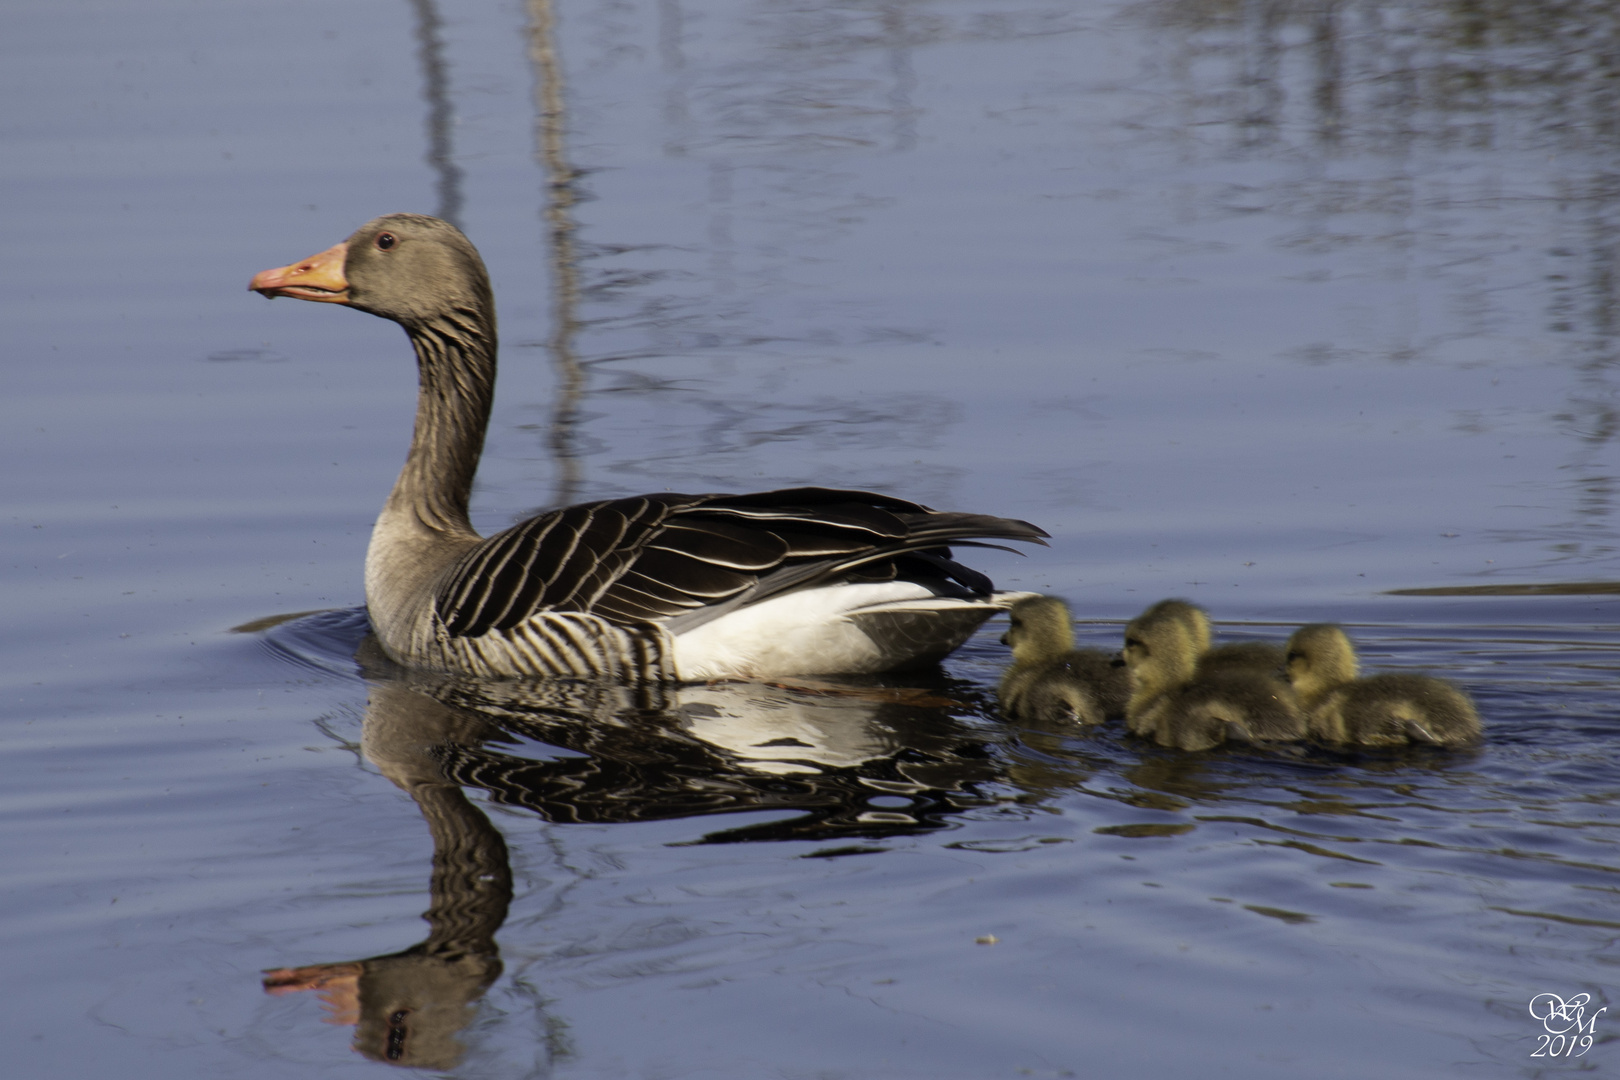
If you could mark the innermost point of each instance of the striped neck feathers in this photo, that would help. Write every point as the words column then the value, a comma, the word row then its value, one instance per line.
column 455, row 360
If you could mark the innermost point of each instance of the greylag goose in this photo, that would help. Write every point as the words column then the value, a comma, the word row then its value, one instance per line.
column 665, row 586
column 1380, row 710
column 1049, row 679
column 1177, row 700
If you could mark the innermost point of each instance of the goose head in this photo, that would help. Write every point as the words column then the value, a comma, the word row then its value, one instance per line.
column 410, row 268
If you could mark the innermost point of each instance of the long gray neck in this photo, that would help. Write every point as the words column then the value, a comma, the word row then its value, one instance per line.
column 455, row 360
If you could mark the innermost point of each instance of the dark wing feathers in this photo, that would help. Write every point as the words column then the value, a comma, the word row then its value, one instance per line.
column 692, row 576
column 969, row 578
column 637, row 599
column 797, row 500
column 546, row 561
column 603, row 536
column 806, row 544
column 693, row 557
column 724, row 544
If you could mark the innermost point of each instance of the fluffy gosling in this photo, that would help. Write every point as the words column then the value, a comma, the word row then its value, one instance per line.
column 1179, row 701
column 1260, row 656
column 1380, row 710
column 1049, row 679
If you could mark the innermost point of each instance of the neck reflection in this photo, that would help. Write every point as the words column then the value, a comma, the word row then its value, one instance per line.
column 841, row 760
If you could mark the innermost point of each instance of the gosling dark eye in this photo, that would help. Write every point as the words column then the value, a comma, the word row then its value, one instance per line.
column 386, row 240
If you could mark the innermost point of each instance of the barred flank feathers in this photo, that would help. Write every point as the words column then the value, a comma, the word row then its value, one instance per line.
column 564, row 645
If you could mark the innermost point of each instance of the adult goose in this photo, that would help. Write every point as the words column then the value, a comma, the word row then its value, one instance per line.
column 667, row 587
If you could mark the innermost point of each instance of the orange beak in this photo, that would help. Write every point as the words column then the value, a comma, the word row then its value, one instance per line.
column 319, row 277
column 339, row 986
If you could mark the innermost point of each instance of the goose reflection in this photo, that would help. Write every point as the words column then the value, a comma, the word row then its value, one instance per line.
column 601, row 753
column 408, row 1007
column 845, row 759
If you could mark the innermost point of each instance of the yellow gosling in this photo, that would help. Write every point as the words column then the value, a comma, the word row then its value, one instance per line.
column 1380, row 710
column 1049, row 679
column 1178, row 701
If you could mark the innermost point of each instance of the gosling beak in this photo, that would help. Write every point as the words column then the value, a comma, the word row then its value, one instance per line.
column 319, row 278
column 1004, row 640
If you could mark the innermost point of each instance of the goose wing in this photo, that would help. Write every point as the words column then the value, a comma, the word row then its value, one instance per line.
column 683, row 559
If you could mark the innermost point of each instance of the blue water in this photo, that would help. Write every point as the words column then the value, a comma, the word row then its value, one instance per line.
column 1274, row 306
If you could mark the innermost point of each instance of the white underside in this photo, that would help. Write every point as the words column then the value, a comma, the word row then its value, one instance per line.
column 825, row 630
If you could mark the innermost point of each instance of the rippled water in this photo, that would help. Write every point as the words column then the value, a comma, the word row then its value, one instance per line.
column 1279, row 306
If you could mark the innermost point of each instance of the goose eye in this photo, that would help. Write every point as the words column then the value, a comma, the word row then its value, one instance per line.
column 386, row 240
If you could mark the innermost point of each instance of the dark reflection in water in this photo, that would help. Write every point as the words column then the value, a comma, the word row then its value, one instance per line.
column 441, row 118
column 604, row 753
column 551, row 150
column 1468, row 147
column 1391, row 76
column 1432, row 137
column 845, row 760
column 627, row 310
column 1520, row 826
column 408, row 1007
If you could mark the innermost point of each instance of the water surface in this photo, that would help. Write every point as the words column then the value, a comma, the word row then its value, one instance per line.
column 1278, row 306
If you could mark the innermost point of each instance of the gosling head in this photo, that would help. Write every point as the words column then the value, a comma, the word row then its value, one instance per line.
column 1320, row 657
column 1162, row 646
column 1194, row 618
column 1040, row 629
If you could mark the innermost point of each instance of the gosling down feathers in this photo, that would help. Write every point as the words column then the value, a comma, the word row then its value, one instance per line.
column 1380, row 710
column 1049, row 679
column 1178, row 701
column 665, row 586
column 1258, row 656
